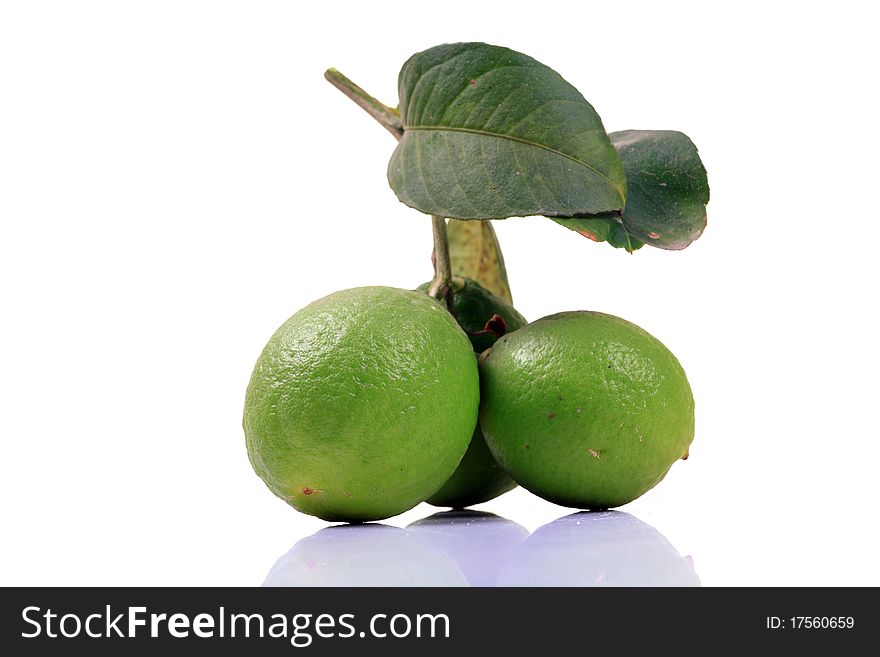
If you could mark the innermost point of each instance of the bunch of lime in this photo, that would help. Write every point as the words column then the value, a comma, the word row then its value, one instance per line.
column 372, row 400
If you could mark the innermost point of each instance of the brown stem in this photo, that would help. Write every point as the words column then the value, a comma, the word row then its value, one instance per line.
column 441, row 286
column 387, row 116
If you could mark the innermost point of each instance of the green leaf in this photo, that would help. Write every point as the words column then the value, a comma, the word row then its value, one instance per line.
column 602, row 229
column 667, row 187
column 475, row 254
column 491, row 133
column 667, row 193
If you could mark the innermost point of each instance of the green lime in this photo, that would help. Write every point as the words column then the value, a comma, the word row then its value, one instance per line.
column 484, row 317
column 362, row 404
column 476, row 309
column 477, row 479
column 585, row 409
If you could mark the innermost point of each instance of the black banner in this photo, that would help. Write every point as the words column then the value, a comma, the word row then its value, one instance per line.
column 112, row 621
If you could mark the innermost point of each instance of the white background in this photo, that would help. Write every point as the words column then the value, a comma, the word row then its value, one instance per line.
column 176, row 179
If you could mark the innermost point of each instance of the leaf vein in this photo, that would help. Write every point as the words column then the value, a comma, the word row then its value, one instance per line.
column 520, row 140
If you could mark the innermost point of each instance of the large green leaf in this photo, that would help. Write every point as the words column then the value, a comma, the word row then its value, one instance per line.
column 474, row 253
column 667, row 193
column 667, row 187
column 491, row 133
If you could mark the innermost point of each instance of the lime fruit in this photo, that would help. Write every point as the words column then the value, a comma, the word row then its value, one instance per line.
column 484, row 317
column 477, row 479
column 362, row 404
column 476, row 309
column 585, row 409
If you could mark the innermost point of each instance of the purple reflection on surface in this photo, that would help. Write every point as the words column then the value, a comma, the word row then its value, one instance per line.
column 480, row 543
column 364, row 555
column 607, row 548
column 468, row 548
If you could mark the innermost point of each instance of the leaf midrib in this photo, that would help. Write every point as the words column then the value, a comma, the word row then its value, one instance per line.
column 521, row 140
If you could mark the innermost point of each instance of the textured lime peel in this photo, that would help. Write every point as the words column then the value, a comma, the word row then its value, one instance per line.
column 478, row 477
column 585, row 409
column 341, row 414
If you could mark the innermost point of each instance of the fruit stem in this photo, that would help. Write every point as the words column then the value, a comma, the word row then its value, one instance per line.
column 441, row 286
column 387, row 116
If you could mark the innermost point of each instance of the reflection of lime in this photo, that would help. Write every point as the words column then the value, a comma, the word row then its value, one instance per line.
column 484, row 317
column 362, row 404
column 480, row 543
column 364, row 555
column 608, row 548
column 585, row 409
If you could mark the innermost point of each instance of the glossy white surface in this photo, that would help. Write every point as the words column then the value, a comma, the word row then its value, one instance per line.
column 478, row 549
